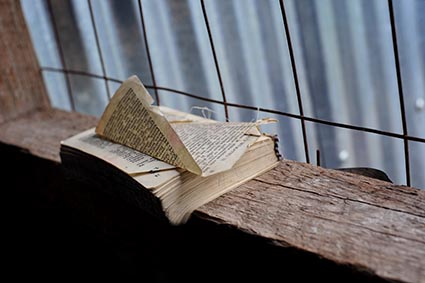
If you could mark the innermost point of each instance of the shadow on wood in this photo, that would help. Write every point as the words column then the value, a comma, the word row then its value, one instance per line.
column 57, row 231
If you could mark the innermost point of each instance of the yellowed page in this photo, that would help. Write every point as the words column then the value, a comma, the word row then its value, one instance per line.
column 148, row 171
column 216, row 147
column 130, row 119
column 196, row 144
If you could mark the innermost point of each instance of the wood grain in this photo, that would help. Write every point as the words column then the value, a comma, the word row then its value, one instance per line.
column 371, row 225
column 40, row 133
column 21, row 84
column 350, row 219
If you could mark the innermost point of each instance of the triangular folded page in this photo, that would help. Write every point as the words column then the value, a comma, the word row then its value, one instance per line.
column 130, row 120
column 201, row 148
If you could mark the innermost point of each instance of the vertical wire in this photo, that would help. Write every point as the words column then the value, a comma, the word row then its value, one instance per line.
column 61, row 55
column 204, row 11
column 295, row 75
column 318, row 157
column 400, row 91
column 99, row 50
column 148, row 52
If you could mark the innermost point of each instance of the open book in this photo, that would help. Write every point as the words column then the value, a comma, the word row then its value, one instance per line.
column 166, row 161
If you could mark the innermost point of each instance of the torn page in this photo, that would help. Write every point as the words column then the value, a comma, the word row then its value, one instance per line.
column 188, row 142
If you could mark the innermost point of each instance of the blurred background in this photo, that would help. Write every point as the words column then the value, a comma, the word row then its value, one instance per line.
column 343, row 53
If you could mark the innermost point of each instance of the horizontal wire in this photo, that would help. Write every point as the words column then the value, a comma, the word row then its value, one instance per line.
column 81, row 73
column 243, row 106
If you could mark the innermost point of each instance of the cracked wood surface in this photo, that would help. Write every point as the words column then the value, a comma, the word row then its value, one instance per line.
column 354, row 220
column 349, row 219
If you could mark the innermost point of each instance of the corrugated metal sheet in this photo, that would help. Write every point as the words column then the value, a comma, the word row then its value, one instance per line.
column 343, row 52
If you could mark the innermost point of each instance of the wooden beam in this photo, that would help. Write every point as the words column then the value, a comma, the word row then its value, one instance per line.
column 349, row 219
column 352, row 220
column 40, row 133
column 21, row 84
column 371, row 225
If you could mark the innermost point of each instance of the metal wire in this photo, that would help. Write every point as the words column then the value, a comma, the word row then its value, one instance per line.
column 142, row 19
column 295, row 74
column 80, row 73
column 99, row 50
column 61, row 55
column 318, row 157
column 249, row 107
column 223, row 94
column 400, row 91
column 404, row 136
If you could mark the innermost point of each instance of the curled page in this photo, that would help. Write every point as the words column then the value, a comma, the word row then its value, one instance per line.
column 201, row 147
column 129, row 119
column 216, row 147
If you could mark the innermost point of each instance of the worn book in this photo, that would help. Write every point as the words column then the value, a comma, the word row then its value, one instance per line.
column 166, row 161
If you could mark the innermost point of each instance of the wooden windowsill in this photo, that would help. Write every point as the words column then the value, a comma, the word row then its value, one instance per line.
column 295, row 217
column 371, row 225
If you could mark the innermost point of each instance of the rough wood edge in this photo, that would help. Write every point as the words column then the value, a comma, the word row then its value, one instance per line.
column 296, row 205
column 40, row 133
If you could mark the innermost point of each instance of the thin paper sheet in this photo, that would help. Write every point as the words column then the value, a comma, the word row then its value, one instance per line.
column 201, row 148
column 148, row 171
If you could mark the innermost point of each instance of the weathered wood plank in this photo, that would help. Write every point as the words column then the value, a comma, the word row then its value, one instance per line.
column 40, row 133
column 21, row 84
column 349, row 219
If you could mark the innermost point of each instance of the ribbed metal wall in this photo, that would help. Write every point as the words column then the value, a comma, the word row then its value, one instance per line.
column 343, row 53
